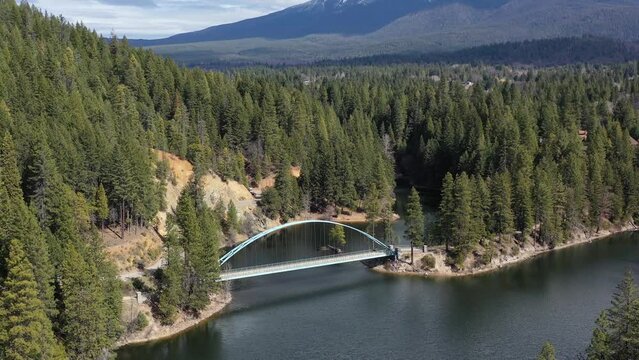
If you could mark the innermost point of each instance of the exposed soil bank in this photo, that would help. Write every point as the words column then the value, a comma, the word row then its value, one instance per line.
column 474, row 265
column 156, row 331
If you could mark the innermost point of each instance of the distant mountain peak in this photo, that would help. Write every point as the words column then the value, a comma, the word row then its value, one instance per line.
column 340, row 28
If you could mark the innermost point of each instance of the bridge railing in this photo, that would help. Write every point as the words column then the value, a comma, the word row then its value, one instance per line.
column 308, row 260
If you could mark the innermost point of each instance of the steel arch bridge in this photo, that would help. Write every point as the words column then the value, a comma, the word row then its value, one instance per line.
column 368, row 250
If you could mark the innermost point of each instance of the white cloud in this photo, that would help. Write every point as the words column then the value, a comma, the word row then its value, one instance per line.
column 151, row 19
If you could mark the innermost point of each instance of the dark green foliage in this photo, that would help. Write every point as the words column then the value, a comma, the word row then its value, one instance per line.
column 199, row 239
column 337, row 235
column 502, row 216
column 170, row 289
column 84, row 316
column 26, row 331
column 414, row 218
column 616, row 335
column 547, row 352
column 141, row 322
column 101, row 205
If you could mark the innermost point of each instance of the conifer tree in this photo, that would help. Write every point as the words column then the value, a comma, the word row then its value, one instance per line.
column 446, row 210
column 101, row 205
column 337, row 235
column 502, row 219
column 170, row 290
column 522, row 201
column 372, row 207
column 84, row 322
column 27, row 331
column 387, row 223
column 599, row 348
column 463, row 234
column 19, row 223
column 547, row 352
column 414, row 218
column 231, row 217
column 623, row 319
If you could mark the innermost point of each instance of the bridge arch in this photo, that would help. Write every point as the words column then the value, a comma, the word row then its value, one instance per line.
column 224, row 259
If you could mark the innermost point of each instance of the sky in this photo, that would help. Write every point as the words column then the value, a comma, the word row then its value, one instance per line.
column 152, row 19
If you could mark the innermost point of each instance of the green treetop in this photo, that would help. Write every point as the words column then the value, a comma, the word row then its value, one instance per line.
column 414, row 218
column 337, row 235
column 27, row 332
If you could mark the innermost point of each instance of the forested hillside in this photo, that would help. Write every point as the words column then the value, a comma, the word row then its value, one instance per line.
column 545, row 152
column 542, row 152
column 79, row 116
column 545, row 52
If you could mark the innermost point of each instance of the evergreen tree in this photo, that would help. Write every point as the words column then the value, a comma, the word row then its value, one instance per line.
column 84, row 321
column 623, row 318
column 599, row 348
column 170, row 289
column 231, row 217
column 200, row 241
column 387, row 223
column 27, row 332
column 373, row 208
column 19, row 223
column 337, row 235
column 522, row 201
column 446, row 210
column 547, row 352
column 101, row 205
column 414, row 218
column 464, row 234
column 502, row 219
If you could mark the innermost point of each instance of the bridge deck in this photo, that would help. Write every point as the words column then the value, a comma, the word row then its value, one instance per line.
column 235, row 274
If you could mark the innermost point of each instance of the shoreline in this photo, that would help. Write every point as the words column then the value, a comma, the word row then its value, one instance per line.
column 529, row 252
column 219, row 302
column 156, row 332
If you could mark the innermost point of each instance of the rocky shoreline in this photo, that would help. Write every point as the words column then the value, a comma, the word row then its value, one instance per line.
column 528, row 251
column 156, row 331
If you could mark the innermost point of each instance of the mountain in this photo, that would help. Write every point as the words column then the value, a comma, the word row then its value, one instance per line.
column 344, row 17
column 335, row 29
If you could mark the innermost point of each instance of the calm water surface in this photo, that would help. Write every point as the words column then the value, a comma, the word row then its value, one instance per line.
column 348, row 312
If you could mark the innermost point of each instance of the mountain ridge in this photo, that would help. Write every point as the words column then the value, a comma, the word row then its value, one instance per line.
column 333, row 29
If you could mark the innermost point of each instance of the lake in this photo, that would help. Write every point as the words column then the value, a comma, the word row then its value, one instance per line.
column 349, row 312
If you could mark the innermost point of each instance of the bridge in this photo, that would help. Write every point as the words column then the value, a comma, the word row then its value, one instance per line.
column 302, row 245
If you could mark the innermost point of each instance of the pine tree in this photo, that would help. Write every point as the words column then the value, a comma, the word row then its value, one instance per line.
column 19, row 223
column 463, row 234
column 170, row 290
column 231, row 217
column 522, row 202
column 387, row 223
column 101, row 205
column 446, row 209
column 502, row 219
column 623, row 319
column 27, row 332
column 599, row 348
column 547, row 352
column 337, row 235
column 373, row 208
column 200, row 241
column 83, row 317
column 288, row 189
column 414, row 218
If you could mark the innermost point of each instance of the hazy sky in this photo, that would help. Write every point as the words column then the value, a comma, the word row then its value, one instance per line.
column 158, row 18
